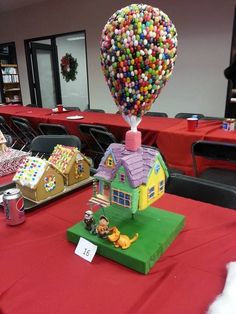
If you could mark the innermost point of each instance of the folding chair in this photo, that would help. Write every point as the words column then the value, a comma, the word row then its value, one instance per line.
column 94, row 110
column 185, row 115
column 102, row 139
column 43, row 145
column 7, row 130
column 156, row 114
column 88, row 144
column 218, row 151
column 202, row 190
column 52, row 129
column 71, row 108
column 32, row 105
column 212, row 118
column 24, row 127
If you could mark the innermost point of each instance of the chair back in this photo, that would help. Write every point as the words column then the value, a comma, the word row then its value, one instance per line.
column 52, row 129
column 94, row 110
column 202, row 190
column 72, row 108
column 185, row 115
column 213, row 151
column 43, row 145
column 102, row 138
column 156, row 114
column 212, row 118
column 84, row 129
column 7, row 130
column 217, row 151
column 24, row 127
column 31, row 105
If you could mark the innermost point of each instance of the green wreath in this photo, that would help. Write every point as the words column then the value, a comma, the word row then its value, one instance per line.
column 69, row 67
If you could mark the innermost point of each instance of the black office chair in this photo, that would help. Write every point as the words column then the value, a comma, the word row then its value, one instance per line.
column 52, row 129
column 185, row 115
column 218, row 151
column 94, row 110
column 26, row 131
column 202, row 190
column 43, row 145
column 156, row 114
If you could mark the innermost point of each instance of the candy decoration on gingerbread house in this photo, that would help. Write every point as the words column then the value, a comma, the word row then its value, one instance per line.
column 74, row 166
column 38, row 179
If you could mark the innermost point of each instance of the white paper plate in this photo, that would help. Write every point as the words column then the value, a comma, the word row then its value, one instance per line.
column 74, row 117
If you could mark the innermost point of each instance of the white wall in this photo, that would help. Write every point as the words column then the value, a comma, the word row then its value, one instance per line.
column 204, row 34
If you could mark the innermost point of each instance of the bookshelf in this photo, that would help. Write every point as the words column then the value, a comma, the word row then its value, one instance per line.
column 10, row 83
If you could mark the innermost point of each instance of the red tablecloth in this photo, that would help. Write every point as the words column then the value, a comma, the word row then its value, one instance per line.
column 149, row 126
column 176, row 141
column 34, row 115
column 6, row 179
column 169, row 134
column 41, row 274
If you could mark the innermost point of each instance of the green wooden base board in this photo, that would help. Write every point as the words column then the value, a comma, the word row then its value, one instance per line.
column 157, row 229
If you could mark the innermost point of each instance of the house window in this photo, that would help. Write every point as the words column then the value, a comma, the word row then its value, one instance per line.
column 80, row 169
column 110, row 162
column 157, row 168
column 161, row 186
column 122, row 177
column 121, row 198
column 151, row 192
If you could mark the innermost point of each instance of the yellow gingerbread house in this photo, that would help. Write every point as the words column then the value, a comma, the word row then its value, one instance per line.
column 74, row 166
column 37, row 179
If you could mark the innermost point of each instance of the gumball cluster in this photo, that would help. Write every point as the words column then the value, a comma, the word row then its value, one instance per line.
column 138, row 52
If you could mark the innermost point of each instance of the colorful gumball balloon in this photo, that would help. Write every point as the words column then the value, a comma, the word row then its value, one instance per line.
column 138, row 52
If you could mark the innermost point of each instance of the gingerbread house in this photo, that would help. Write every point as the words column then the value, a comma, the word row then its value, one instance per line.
column 131, row 180
column 38, row 179
column 74, row 166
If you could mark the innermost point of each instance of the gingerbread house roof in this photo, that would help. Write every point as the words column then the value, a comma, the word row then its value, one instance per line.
column 63, row 156
column 30, row 171
column 137, row 164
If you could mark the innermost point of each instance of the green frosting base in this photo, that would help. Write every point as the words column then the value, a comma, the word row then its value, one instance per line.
column 157, row 229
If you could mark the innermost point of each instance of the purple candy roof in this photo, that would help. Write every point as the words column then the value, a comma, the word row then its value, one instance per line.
column 137, row 164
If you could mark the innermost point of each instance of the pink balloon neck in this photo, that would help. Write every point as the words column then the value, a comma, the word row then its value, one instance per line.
column 133, row 140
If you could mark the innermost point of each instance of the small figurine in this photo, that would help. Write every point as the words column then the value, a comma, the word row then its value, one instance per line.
column 89, row 221
column 121, row 240
column 103, row 227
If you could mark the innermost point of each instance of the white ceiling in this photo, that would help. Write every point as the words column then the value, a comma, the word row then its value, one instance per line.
column 8, row 5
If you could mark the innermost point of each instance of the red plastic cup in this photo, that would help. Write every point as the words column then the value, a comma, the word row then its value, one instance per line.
column 192, row 124
column 59, row 108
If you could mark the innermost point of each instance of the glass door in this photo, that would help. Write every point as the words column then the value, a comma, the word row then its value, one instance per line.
column 74, row 90
column 58, row 71
column 44, row 77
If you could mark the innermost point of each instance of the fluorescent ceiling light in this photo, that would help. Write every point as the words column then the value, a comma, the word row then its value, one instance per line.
column 75, row 38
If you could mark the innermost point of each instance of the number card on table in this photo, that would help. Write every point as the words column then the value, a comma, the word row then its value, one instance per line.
column 86, row 249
